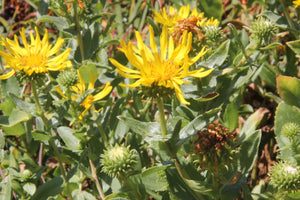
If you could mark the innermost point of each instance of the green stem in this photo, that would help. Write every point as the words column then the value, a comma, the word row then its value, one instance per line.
column 42, row 115
column 94, row 174
column 77, row 29
column 103, row 135
column 61, row 167
column 287, row 16
column 161, row 112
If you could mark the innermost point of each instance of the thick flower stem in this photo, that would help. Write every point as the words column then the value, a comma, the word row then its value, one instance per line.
column 161, row 112
column 47, row 128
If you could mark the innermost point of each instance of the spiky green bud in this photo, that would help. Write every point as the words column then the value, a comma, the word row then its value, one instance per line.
column 212, row 33
column 66, row 79
column 263, row 29
column 290, row 130
column 285, row 177
column 118, row 160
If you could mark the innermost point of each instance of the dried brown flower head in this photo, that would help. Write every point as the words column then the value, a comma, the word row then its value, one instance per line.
column 214, row 137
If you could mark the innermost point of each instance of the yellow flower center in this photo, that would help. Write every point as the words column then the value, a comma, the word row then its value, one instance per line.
column 87, row 103
column 117, row 152
column 164, row 72
column 34, row 63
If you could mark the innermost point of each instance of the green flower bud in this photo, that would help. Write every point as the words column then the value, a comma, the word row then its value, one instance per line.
column 263, row 29
column 290, row 130
column 118, row 160
column 212, row 33
column 285, row 177
column 26, row 174
column 66, row 79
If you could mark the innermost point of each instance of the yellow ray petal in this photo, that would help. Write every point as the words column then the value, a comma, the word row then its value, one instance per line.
column 8, row 75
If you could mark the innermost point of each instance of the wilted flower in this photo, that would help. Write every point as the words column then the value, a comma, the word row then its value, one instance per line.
column 34, row 58
column 183, row 20
column 162, row 71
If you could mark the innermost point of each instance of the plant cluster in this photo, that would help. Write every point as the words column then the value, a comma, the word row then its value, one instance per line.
column 150, row 99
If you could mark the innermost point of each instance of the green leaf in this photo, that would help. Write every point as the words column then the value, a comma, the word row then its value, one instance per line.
column 90, row 43
column 30, row 188
column 250, row 125
column 212, row 8
column 15, row 130
column 6, row 190
column 39, row 135
column 285, row 114
column 61, row 23
column 295, row 46
column 268, row 75
column 10, row 85
column 7, row 106
column 49, row 189
column 271, row 46
column 28, row 107
column 218, row 57
column 69, row 139
column 248, row 151
column 82, row 195
column 231, row 115
column 18, row 116
column 144, row 129
column 289, row 89
column 155, row 178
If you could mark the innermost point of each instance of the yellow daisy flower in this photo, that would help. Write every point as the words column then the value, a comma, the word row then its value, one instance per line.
column 172, row 17
column 36, row 57
column 166, row 69
column 183, row 20
column 296, row 3
column 80, row 89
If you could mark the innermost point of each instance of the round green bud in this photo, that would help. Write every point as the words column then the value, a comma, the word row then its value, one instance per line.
column 66, row 79
column 290, row 130
column 118, row 160
column 212, row 33
column 285, row 177
column 26, row 174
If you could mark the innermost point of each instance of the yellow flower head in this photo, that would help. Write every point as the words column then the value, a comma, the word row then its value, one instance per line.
column 80, row 89
column 172, row 17
column 34, row 58
column 296, row 3
column 183, row 20
column 165, row 69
